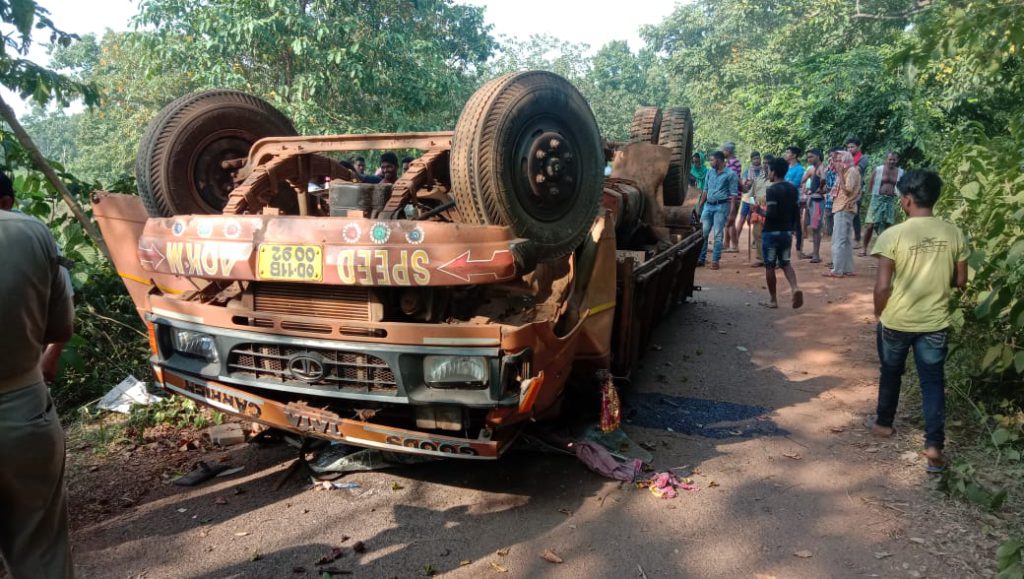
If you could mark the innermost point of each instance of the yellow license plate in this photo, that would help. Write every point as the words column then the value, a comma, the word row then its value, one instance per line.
column 282, row 261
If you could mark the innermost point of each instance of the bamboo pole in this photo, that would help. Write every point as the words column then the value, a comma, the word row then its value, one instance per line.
column 44, row 166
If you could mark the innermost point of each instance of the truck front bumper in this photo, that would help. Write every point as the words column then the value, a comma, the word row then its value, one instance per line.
column 300, row 418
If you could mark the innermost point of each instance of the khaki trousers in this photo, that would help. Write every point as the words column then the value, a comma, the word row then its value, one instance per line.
column 33, row 502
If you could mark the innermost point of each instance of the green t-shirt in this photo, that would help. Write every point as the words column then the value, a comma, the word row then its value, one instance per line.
column 926, row 251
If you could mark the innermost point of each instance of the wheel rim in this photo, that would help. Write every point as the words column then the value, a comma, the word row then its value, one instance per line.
column 211, row 182
column 548, row 173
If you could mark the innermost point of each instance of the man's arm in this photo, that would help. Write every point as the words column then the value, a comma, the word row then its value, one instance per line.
column 960, row 281
column 734, row 185
column 871, row 182
column 883, row 283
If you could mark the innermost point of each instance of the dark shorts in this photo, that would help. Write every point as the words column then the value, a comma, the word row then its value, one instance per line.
column 775, row 246
column 744, row 211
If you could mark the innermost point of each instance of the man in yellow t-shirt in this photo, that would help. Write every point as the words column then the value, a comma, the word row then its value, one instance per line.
column 920, row 261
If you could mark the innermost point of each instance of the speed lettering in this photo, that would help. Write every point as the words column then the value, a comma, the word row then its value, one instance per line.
column 381, row 267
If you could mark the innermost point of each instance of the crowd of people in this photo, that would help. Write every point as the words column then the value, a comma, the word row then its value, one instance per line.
column 830, row 191
column 919, row 261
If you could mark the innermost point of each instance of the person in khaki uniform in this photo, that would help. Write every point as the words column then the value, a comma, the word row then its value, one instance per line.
column 36, row 310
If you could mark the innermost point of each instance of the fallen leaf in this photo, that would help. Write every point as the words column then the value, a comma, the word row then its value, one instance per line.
column 182, row 510
column 332, row 571
column 566, row 512
column 837, row 429
column 465, row 562
column 220, row 501
column 498, row 568
column 712, row 484
column 241, row 533
column 359, row 547
column 396, row 487
column 550, row 556
column 871, row 449
column 502, row 552
column 256, row 556
column 882, row 554
column 792, row 455
column 298, row 570
column 917, row 540
column 741, row 348
column 804, row 554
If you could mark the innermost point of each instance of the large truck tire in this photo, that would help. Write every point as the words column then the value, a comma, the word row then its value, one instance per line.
column 677, row 135
column 527, row 154
column 646, row 125
column 178, row 167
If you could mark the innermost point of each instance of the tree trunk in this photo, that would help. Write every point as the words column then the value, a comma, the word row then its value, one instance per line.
column 26, row 141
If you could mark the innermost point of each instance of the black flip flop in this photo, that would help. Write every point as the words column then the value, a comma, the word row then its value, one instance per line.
column 201, row 473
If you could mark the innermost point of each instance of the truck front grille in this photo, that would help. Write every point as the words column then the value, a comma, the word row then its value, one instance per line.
column 318, row 367
column 321, row 301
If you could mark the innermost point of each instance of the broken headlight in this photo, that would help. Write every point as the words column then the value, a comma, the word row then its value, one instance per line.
column 456, row 371
column 195, row 344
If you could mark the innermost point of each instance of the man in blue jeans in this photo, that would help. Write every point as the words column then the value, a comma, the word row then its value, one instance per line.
column 720, row 185
column 920, row 261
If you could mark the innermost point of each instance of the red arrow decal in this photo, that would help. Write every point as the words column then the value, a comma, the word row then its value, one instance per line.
column 150, row 255
column 499, row 266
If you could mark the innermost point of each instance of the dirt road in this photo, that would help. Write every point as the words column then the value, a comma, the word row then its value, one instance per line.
column 792, row 486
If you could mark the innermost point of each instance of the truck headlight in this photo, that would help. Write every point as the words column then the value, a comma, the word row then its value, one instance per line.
column 195, row 344
column 456, row 371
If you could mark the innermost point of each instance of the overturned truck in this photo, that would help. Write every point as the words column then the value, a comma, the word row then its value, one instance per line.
column 436, row 315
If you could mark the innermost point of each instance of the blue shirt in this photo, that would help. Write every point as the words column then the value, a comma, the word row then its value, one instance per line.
column 721, row 185
column 795, row 174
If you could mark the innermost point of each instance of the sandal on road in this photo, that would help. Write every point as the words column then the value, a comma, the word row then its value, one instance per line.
column 202, row 473
column 871, row 423
column 936, row 461
column 798, row 299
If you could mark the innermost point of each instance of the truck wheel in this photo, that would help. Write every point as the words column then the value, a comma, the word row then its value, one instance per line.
column 178, row 168
column 677, row 134
column 527, row 154
column 645, row 126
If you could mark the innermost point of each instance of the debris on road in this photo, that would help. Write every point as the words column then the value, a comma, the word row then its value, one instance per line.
column 804, row 554
column 127, row 393
column 327, row 485
column 335, row 554
column 793, row 455
column 498, row 567
column 665, row 485
column 359, row 547
column 598, row 459
column 225, row 434
column 342, row 458
column 503, row 552
column 550, row 556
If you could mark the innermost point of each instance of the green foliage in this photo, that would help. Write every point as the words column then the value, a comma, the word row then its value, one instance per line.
column 960, row 481
column 1010, row 560
column 175, row 411
column 25, row 77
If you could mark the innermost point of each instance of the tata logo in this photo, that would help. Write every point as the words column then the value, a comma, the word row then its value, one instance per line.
column 306, row 367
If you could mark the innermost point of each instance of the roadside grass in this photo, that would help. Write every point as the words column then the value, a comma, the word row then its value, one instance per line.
column 985, row 442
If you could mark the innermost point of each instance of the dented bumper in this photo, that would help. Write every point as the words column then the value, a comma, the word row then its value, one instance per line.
column 302, row 419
